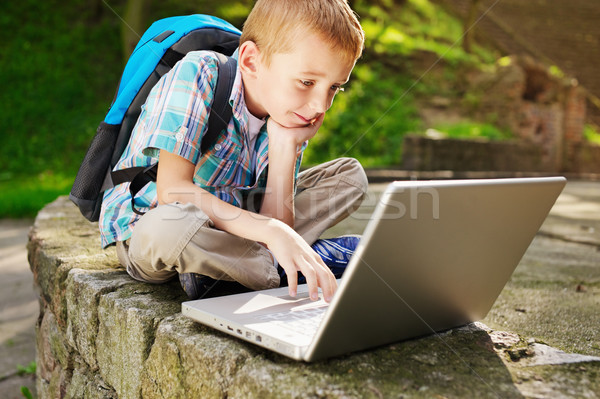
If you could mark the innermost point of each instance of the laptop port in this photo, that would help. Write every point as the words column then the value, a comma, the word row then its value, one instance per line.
column 239, row 331
column 229, row 328
column 258, row 338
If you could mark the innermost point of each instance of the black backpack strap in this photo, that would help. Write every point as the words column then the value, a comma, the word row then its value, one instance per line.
column 146, row 176
column 218, row 119
column 221, row 112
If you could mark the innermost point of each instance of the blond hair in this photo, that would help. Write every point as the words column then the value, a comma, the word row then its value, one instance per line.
column 274, row 26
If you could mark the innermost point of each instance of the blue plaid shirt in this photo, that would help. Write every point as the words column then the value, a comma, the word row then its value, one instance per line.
column 174, row 118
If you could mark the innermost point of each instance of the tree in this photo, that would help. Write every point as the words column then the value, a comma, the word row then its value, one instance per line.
column 132, row 26
column 469, row 26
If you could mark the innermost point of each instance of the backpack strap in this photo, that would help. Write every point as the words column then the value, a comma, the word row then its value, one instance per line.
column 221, row 112
column 218, row 119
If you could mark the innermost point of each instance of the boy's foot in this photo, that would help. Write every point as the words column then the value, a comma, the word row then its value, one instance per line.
column 196, row 285
column 336, row 252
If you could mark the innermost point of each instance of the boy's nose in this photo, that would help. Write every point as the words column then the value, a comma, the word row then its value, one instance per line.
column 319, row 103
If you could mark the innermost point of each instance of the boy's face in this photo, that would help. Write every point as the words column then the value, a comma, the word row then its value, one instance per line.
column 298, row 86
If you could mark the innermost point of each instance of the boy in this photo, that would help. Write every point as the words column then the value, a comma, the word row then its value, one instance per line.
column 241, row 212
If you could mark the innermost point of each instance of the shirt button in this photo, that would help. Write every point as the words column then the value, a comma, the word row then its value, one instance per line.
column 218, row 147
column 179, row 137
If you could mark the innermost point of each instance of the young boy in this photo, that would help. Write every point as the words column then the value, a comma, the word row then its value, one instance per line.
column 240, row 211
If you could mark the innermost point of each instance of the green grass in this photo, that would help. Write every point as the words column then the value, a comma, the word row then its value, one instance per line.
column 24, row 195
column 29, row 369
column 57, row 84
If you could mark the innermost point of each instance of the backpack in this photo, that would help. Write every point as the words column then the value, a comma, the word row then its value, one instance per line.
column 164, row 43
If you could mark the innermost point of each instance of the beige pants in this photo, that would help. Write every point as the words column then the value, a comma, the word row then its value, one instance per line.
column 179, row 238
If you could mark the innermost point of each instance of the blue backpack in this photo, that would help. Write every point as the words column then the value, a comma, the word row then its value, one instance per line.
column 162, row 45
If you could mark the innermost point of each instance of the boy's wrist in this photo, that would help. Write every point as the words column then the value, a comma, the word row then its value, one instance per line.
column 283, row 151
column 275, row 229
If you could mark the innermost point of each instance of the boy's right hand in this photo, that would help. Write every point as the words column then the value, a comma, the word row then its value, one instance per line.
column 295, row 255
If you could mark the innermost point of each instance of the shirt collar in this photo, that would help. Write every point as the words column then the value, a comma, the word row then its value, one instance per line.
column 238, row 104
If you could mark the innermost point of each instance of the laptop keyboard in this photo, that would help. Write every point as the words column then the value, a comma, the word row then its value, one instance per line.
column 304, row 322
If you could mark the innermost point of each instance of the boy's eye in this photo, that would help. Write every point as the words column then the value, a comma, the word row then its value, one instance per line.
column 337, row 88
column 307, row 83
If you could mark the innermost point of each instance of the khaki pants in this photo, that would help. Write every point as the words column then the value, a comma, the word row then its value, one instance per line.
column 179, row 238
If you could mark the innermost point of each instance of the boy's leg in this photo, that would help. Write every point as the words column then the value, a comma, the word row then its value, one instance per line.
column 179, row 238
column 326, row 194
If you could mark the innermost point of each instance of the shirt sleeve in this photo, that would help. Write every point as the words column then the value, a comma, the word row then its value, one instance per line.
column 175, row 115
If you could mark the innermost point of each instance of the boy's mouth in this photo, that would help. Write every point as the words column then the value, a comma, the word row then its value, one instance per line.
column 308, row 121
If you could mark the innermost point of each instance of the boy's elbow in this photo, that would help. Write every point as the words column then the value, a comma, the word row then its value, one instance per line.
column 167, row 192
column 182, row 191
column 161, row 195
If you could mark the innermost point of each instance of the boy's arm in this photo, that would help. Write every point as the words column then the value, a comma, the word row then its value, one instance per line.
column 175, row 183
column 278, row 201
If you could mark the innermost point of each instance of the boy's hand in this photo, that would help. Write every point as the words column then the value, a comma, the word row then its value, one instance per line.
column 295, row 255
column 280, row 135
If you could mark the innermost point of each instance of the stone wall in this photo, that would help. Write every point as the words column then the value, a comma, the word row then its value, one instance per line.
column 427, row 154
column 101, row 334
column 421, row 153
column 585, row 159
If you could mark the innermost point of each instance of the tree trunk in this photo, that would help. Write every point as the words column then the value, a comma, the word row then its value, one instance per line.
column 132, row 26
column 469, row 26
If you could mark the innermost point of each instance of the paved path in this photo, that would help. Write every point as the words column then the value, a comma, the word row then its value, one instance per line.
column 19, row 309
column 572, row 229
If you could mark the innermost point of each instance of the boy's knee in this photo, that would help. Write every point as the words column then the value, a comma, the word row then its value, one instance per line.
column 353, row 171
column 161, row 233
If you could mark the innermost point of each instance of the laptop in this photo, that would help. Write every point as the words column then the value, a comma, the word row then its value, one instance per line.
column 435, row 255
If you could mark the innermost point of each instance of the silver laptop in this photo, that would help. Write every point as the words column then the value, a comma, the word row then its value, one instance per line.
column 434, row 255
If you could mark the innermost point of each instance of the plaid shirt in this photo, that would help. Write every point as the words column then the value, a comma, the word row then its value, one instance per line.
column 174, row 118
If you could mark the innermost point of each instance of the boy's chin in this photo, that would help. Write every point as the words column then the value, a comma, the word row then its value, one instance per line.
column 291, row 125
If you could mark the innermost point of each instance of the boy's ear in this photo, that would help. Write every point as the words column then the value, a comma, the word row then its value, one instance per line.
column 249, row 58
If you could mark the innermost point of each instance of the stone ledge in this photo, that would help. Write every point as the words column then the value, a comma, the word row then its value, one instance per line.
column 102, row 334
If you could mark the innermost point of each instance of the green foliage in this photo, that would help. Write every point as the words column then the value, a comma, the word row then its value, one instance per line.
column 416, row 26
column 26, row 393
column 56, row 84
column 591, row 134
column 234, row 12
column 29, row 369
column 469, row 130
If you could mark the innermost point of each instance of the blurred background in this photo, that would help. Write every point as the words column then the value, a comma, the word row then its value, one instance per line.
column 478, row 71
